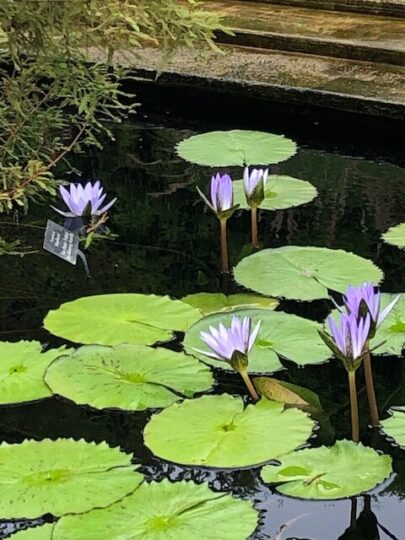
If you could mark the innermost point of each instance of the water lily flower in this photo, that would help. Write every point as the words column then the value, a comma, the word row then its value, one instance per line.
column 365, row 299
column 233, row 345
column 254, row 183
column 84, row 200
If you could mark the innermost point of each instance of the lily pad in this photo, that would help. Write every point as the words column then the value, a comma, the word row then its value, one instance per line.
column 218, row 431
column 209, row 303
column 62, row 476
column 304, row 273
column 395, row 236
column 394, row 426
column 344, row 470
column 165, row 511
column 280, row 192
column 44, row 532
column 22, row 368
column 111, row 319
column 132, row 377
column 236, row 147
column 288, row 393
column 281, row 335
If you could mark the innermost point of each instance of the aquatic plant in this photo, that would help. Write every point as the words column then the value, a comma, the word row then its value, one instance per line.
column 223, row 207
column 254, row 183
column 348, row 344
column 365, row 301
column 233, row 345
column 84, row 200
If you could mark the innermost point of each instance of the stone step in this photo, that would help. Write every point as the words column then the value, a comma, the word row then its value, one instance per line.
column 390, row 8
column 346, row 35
column 333, row 83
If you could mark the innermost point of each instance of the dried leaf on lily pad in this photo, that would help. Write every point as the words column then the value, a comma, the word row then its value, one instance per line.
column 281, row 335
column 280, row 192
column 395, row 236
column 22, row 369
column 132, row 377
column 285, row 392
column 219, row 431
column 111, row 319
column 394, row 426
column 43, row 532
column 304, row 273
column 344, row 470
column 236, row 147
column 209, row 303
column 165, row 511
column 62, row 477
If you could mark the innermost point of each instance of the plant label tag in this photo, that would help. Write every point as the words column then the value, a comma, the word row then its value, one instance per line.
column 61, row 242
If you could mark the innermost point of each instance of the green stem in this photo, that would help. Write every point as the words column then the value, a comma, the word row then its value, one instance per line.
column 224, row 247
column 249, row 385
column 253, row 216
column 354, row 408
column 372, row 401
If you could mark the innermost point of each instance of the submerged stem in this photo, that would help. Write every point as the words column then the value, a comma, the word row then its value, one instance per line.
column 224, row 247
column 354, row 408
column 249, row 384
column 253, row 216
column 372, row 401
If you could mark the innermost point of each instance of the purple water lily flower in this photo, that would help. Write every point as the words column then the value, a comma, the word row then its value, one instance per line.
column 231, row 344
column 84, row 200
column 349, row 338
column 221, row 195
column 254, row 182
column 366, row 299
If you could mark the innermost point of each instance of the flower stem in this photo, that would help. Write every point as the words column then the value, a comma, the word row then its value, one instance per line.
column 372, row 401
column 253, row 216
column 354, row 408
column 249, row 384
column 224, row 247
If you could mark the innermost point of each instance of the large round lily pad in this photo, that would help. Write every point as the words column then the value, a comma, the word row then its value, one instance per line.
column 280, row 192
column 280, row 335
column 132, row 377
column 218, row 431
column 62, row 476
column 111, row 319
column 165, row 511
column 236, row 147
column 394, row 426
column 344, row 470
column 395, row 236
column 22, row 368
column 304, row 273
column 214, row 302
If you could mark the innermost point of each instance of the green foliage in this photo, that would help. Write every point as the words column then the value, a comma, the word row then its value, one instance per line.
column 54, row 97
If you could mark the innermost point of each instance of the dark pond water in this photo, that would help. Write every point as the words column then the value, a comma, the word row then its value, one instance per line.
column 168, row 244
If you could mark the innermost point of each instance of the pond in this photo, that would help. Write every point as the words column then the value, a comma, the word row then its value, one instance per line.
column 166, row 242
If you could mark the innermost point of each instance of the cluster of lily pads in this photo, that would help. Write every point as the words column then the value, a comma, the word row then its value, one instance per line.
column 118, row 360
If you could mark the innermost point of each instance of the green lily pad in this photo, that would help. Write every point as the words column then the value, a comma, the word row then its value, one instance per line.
column 236, row 147
column 280, row 192
column 218, row 431
column 44, row 532
column 209, row 303
column 22, row 368
column 390, row 336
column 61, row 477
column 132, row 377
column 395, row 236
column 288, row 393
column 344, row 470
column 111, row 319
column 394, row 426
column 165, row 511
column 304, row 273
column 281, row 335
